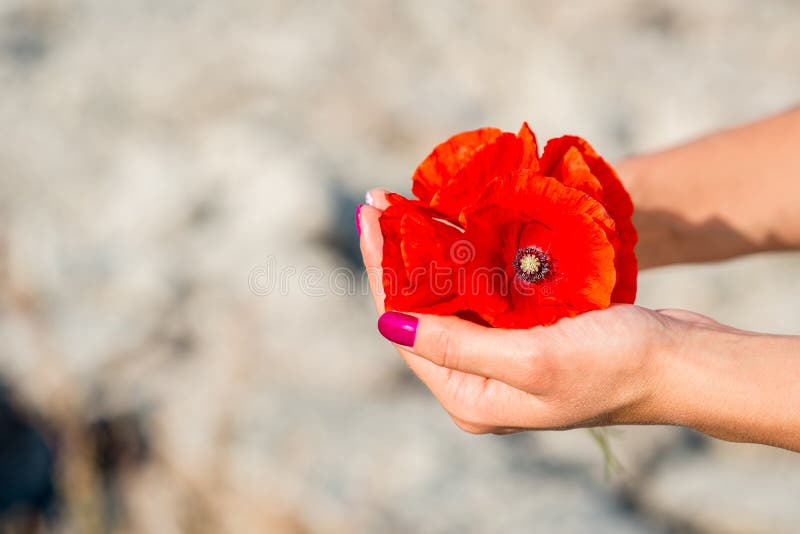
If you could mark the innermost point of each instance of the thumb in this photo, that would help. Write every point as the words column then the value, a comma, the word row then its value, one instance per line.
column 511, row 356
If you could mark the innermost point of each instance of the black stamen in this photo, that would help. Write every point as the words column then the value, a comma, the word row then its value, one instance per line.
column 532, row 264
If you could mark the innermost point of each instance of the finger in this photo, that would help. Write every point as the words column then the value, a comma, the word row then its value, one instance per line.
column 511, row 356
column 462, row 391
column 372, row 252
column 488, row 405
column 433, row 376
column 377, row 198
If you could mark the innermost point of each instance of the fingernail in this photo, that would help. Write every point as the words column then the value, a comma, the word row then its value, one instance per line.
column 358, row 219
column 368, row 199
column 398, row 328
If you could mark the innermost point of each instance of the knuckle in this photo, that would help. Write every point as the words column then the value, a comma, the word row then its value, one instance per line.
column 464, row 419
column 449, row 349
column 471, row 418
column 471, row 428
column 538, row 366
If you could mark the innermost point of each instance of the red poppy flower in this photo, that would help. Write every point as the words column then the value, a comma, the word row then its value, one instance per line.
column 505, row 237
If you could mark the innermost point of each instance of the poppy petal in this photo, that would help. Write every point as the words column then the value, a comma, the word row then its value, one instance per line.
column 416, row 259
column 447, row 159
column 530, row 149
column 570, row 227
column 614, row 197
column 546, row 237
column 497, row 158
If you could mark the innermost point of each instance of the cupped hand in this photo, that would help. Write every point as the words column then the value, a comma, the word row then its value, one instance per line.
column 601, row 367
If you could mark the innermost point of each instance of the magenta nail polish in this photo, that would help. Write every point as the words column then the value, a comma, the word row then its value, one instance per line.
column 358, row 219
column 398, row 328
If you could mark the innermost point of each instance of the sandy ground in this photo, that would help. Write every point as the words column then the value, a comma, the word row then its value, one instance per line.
column 158, row 157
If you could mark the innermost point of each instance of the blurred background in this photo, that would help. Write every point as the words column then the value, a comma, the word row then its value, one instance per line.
column 171, row 171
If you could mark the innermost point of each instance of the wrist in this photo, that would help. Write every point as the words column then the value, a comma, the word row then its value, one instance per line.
column 662, row 222
column 733, row 385
column 657, row 384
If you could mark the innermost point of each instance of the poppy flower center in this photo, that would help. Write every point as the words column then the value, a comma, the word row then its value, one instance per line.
column 532, row 264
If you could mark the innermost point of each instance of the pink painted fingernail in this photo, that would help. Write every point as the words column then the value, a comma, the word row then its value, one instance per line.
column 358, row 219
column 398, row 328
column 368, row 199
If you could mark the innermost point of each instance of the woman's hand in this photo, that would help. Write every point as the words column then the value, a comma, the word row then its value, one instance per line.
column 621, row 365
column 601, row 367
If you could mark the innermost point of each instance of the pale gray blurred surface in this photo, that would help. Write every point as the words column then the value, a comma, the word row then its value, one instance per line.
column 155, row 153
